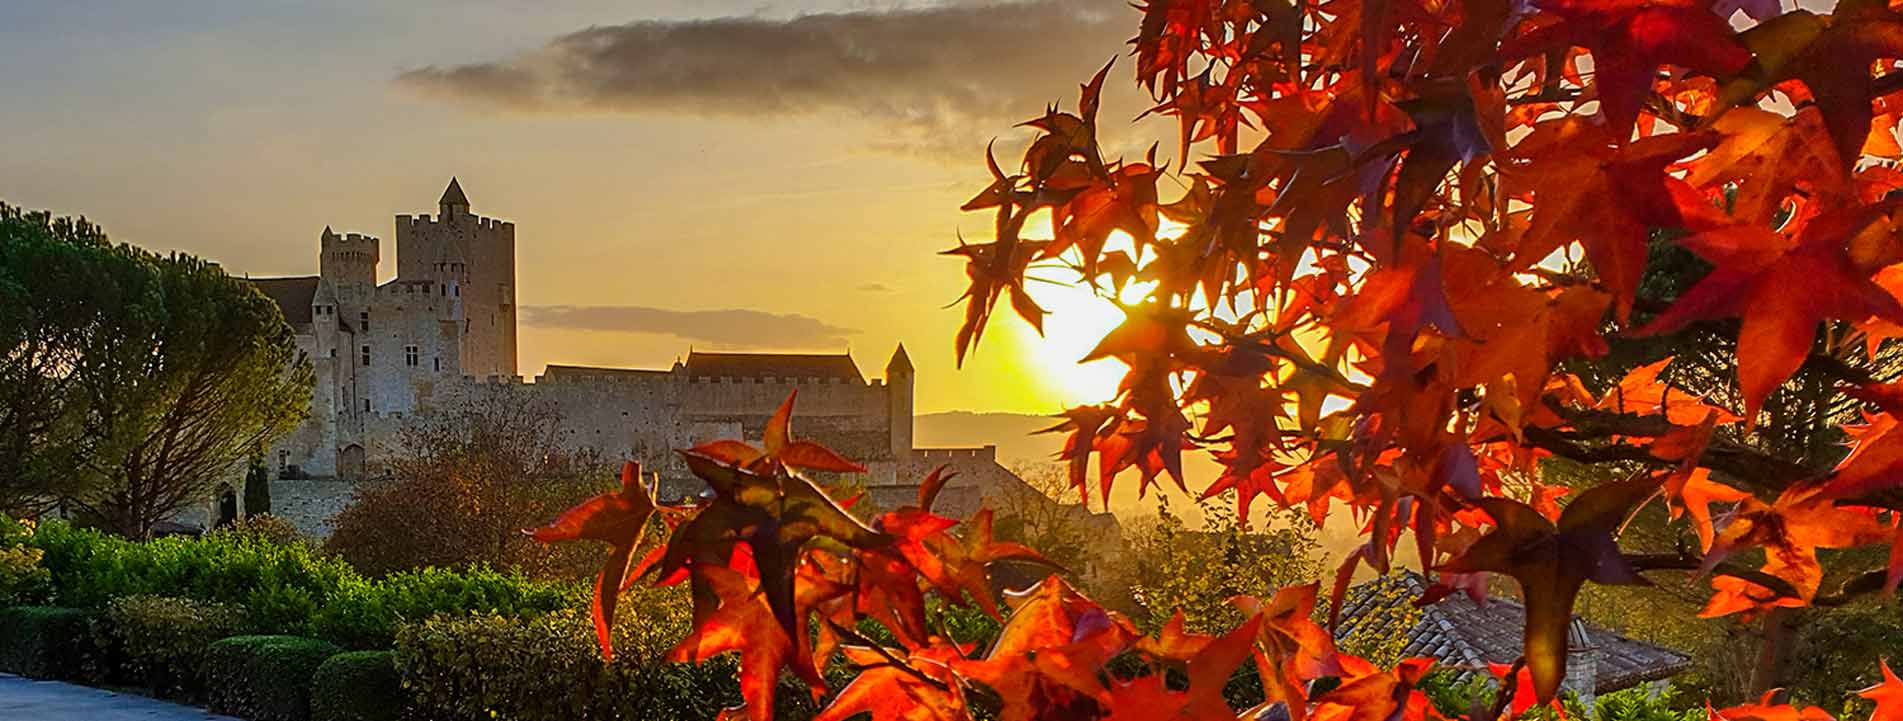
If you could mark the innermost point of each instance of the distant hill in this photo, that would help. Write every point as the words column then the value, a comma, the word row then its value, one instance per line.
column 1010, row 432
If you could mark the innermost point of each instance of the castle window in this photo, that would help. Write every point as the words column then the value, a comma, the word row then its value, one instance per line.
column 366, row 405
column 459, row 291
column 409, row 356
column 284, row 460
column 366, row 354
column 333, row 352
column 364, row 321
column 437, row 362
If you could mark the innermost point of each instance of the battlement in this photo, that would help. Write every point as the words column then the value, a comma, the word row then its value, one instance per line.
column 986, row 452
column 425, row 219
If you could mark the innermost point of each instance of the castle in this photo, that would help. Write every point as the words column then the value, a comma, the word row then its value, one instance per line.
column 445, row 327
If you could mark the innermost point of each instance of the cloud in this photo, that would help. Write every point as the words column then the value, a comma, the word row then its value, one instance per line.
column 875, row 288
column 733, row 328
column 938, row 79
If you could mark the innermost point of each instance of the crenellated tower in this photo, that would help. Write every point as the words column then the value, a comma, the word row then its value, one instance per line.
column 472, row 258
column 349, row 263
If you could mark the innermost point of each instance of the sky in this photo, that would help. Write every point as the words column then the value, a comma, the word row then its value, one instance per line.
column 683, row 174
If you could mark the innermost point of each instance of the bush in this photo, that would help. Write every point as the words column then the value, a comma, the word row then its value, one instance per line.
column 366, row 615
column 280, row 586
column 45, row 642
column 265, row 527
column 264, row 678
column 165, row 639
column 24, row 581
column 484, row 667
column 358, row 686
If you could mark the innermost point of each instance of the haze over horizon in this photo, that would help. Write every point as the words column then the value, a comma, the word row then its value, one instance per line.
column 786, row 193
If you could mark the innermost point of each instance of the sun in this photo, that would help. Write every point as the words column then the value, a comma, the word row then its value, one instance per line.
column 1078, row 320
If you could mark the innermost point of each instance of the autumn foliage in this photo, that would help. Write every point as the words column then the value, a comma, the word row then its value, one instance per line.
column 1398, row 223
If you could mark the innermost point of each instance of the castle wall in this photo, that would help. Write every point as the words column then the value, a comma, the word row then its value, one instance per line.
column 444, row 330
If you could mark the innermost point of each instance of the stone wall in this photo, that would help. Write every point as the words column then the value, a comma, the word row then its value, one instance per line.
column 311, row 504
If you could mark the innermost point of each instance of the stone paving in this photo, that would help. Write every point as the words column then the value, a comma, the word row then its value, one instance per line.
column 24, row 699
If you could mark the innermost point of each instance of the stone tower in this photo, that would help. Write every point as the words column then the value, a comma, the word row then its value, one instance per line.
column 349, row 263
column 473, row 258
column 898, row 383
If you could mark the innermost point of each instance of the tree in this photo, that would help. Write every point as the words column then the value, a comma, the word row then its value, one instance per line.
column 67, row 296
column 1197, row 572
column 257, row 488
column 134, row 382
column 464, row 484
column 208, row 373
column 1369, row 304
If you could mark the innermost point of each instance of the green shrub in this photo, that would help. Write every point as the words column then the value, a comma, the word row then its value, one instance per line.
column 265, row 527
column 165, row 639
column 24, row 581
column 264, row 678
column 483, row 667
column 281, row 586
column 359, row 686
column 365, row 615
column 45, row 642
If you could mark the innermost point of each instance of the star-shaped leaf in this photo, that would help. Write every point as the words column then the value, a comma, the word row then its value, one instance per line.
column 618, row 519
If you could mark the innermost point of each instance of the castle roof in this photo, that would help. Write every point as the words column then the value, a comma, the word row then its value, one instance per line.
column 701, row 364
column 293, row 296
column 901, row 364
column 453, row 195
column 1467, row 635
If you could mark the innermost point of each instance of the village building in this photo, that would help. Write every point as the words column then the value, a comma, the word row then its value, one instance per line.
column 1467, row 635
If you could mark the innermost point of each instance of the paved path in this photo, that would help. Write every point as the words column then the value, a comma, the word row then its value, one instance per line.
column 24, row 699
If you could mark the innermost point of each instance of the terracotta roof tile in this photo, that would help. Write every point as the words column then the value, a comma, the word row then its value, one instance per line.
column 701, row 364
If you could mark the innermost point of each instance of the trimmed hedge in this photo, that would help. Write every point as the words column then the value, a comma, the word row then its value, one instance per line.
column 282, row 587
column 46, row 642
column 365, row 615
column 264, row 678
column 487, row 667
column 164, row 640
column 359, row 686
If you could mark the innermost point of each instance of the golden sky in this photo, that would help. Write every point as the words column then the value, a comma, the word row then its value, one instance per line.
column 713, row 174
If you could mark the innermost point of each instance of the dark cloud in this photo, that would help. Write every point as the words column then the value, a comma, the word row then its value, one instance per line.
column 733, row 328
column 938, row 79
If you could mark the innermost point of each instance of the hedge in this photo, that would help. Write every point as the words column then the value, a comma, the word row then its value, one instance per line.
column 288, row 588
column 46, row 642
column 365, row 615
column 264, row 678
column 164, row 639
column 487, row 667
column 359, row 686
column 281, row 586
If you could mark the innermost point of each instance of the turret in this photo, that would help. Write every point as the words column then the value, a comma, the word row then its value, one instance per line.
column 348, row 261
column 453, row 203
column 898, row 399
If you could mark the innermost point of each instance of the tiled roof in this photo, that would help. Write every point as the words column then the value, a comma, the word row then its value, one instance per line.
column 293, row 296
column 1469, row 635
column 701, row 364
